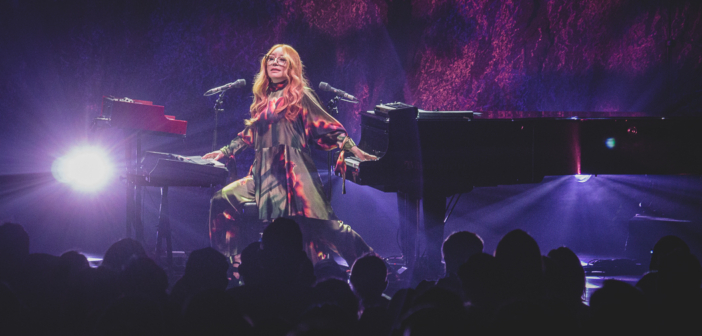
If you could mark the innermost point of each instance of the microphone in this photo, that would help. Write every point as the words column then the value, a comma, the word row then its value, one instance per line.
column 326, row 87
column 237, row 84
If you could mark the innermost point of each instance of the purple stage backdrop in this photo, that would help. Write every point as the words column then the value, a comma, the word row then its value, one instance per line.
column 58, row 58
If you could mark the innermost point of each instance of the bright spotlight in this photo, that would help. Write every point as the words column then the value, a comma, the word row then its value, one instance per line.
column 85, row 168
column 582, row 178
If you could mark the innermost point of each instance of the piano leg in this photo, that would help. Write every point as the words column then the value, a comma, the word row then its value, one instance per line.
column 134, row 191
column 130, row 188
column 434, row 206
column 138, row 224
column 408, row 209
column 164, row 229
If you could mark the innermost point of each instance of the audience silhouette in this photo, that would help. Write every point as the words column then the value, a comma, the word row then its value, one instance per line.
column 280, row 292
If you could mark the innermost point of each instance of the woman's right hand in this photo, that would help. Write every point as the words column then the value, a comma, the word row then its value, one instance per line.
column 213, row 155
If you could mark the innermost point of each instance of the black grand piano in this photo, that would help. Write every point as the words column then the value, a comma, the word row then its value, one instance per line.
column 430, row 155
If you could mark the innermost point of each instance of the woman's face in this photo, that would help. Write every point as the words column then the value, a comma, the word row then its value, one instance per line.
column 277, row 65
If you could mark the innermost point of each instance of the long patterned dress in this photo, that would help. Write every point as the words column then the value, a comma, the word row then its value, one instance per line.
column 284, row 181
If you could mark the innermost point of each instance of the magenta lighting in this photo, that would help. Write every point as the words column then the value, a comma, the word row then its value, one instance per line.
column 84, row 168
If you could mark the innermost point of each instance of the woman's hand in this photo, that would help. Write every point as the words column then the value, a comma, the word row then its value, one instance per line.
column 363, row 156
column 213, row 155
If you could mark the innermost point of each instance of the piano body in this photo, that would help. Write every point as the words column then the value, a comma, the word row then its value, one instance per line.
column 429, row 155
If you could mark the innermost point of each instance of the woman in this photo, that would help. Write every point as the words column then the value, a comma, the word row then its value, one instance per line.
column 286, row 118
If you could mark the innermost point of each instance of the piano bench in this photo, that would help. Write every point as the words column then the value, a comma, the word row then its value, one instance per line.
column 251, row 226
column 249, row 211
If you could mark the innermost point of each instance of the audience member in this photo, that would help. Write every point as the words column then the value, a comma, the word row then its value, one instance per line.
column 121, row 253
column 286, row 276
column 336, row 292
column 369, row 278
column 250, row 269
column 205, row 269
column 144, row 277
column 482, row 290
column 617, row 309
column 678, row 303
column 71, row 263
column 564, row 280
column 457, row 248
column 519, row 258
column 663, row 247
column 14, row 249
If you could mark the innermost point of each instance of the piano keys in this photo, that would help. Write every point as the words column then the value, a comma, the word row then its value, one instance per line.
column 173, row 170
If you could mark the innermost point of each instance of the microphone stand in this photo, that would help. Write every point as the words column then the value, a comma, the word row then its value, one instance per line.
column 217, row 108
column 332, row 107
column 231, row 163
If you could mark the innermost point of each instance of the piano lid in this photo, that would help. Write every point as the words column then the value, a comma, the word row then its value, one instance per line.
column 140, row 115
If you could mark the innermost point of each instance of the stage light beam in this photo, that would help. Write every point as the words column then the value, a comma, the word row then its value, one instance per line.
column 84, row 168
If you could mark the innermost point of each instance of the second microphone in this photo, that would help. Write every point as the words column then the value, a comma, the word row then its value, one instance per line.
column 326, row 87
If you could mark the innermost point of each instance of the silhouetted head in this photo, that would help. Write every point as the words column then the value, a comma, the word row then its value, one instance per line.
column 282, row 235
column 679, row 275
column 283, row 261
column 618, row 306
column 369, row 276
column 458, row 247
column 337, row 293
column 519, row 258
column 208, row 267
column 121, row 253
column 71, row 263
column 250, row 267
column 143, row 277
column 14, row 248
column 564, row 275
column 664, row 246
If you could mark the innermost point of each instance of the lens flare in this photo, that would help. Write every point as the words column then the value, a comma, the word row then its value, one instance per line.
column 582, row 178
column 85, row 169
column 610, row 143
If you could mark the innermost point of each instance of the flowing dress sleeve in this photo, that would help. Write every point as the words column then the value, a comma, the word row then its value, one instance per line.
column 244, row 139
column 321, row 128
